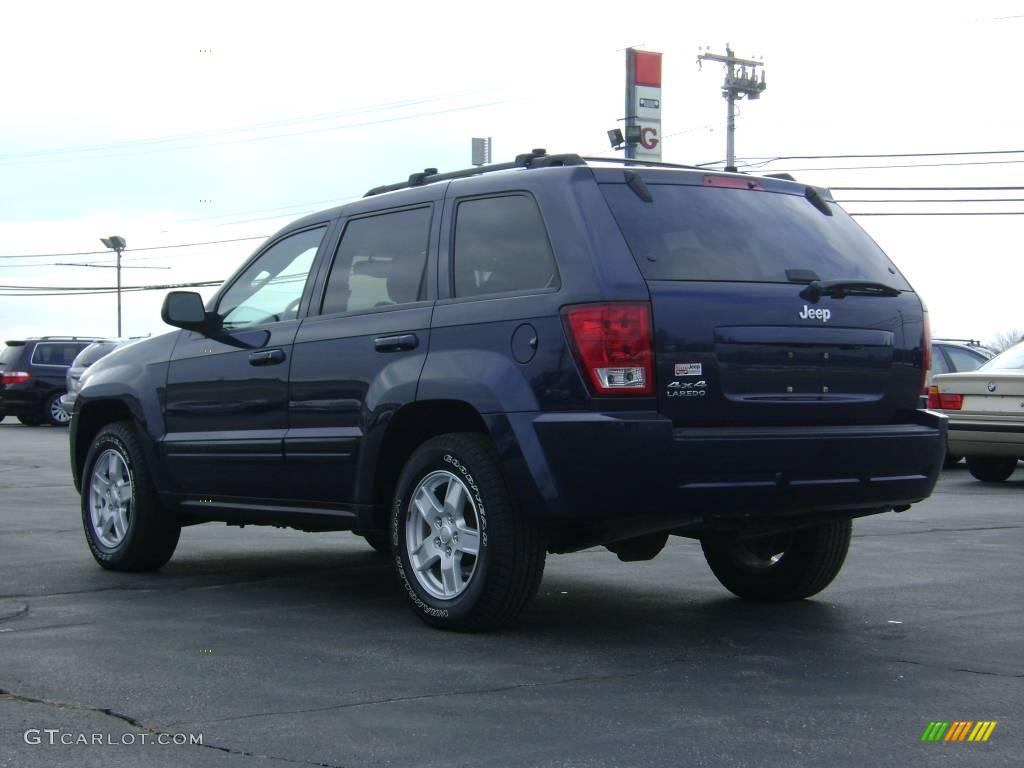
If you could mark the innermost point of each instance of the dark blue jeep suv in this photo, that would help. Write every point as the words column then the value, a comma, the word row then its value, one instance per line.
column 473, row 369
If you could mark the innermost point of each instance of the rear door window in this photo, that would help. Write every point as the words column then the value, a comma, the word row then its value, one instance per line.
column 55, row 354
column 380, row 262
column 963, row 360
column 501, row 246
column 708, row 233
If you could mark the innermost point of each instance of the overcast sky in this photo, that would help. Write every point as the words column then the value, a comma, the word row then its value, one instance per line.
column 125, row 118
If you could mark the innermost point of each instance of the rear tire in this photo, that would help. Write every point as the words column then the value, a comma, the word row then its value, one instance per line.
column 951, row 460
column 467, row 557
column 28, row 421
column 125, row 526
column 55, row 416
column 780, row 567
column 991, row 469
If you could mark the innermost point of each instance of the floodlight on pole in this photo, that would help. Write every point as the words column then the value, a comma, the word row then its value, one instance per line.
column 116, row 244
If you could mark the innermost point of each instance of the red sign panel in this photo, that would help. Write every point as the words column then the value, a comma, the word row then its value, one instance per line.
column 648, row 68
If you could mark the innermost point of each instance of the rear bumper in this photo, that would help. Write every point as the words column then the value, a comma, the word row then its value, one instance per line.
column 986, row 438
column 605, row 466
column 21, row 402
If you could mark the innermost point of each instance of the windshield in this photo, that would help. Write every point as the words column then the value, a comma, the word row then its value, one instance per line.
column 703, row 233
column 1010, row 360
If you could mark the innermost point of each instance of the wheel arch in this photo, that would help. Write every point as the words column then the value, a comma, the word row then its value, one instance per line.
column 91, row 417
column 409, row 427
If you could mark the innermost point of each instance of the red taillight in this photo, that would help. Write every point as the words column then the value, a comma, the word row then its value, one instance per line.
column 926, row 349
column 612, row 343
column 14, row 377
column 944, row 401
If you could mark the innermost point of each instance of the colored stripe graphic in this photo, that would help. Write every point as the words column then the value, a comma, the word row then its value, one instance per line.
column 982, row 730
column 959, row 730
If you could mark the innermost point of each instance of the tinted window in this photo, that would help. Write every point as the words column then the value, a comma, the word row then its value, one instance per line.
column 55, row 354
column 380, row 262
column 704, row 233
column 501, row 245
column 964, row 359
column 269, row 290
column 9, row 355
column 939, row 364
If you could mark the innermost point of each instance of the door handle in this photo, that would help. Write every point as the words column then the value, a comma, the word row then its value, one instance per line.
column 266, row 357
column 396, row 343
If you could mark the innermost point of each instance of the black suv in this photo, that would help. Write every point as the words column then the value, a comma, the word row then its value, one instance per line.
column 477, row 368
column 32, row 378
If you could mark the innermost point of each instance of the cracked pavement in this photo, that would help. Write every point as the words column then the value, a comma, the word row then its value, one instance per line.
column 287, row 648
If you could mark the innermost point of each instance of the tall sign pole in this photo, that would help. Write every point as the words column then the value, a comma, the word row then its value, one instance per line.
column 643, row 105
column 740, row 80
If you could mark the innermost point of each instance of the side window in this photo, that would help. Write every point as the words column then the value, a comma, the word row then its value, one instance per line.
column 963, row 360
column 939, row 364
column 500, row 246
column 54, row 354
column 269, row 291
column 380, row 261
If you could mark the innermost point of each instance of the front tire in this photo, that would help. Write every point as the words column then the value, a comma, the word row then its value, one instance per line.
column 991, row 469
column 380, row 542
column 125, row 526
column 28, row 421
column 780, row 567
column 467, row 557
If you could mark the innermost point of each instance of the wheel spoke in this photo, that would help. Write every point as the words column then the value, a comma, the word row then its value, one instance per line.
column 113, row 468
column 424, row 556
column 427, row 506
column 124, row 493
column 455, row 498
column 469, row 540
column 451, row 575
column 119, row 523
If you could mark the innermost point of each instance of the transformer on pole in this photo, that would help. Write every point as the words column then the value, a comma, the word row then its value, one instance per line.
column 740, row 80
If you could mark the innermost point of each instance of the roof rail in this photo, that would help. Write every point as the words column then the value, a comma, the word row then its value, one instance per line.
column 634, row 161
column 968, row 342
column 68, row 338
column 538, row 158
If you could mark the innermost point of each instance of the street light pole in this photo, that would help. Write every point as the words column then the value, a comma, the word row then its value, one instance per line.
column 116, row 244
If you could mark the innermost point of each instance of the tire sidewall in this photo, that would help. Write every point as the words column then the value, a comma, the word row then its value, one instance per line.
column 108, row 439
column 428, row 459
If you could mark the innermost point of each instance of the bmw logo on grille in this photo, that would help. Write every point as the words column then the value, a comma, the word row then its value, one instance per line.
column 991, row 386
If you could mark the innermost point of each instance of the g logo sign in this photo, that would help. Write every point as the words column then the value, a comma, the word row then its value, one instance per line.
column 649, row 138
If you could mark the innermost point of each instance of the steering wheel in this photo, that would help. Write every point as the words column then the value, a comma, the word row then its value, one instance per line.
column 293, row 305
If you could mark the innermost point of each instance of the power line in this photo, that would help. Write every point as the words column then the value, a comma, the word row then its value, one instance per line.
column 127, row 144
column 943, row 213
column 107, row 290
column 925, row 189
column 264, row 138
column 147, row 248
column 897, row 165
column 764, row 159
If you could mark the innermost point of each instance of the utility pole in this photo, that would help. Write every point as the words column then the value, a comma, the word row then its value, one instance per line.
column 738, row 83
column 116, row 244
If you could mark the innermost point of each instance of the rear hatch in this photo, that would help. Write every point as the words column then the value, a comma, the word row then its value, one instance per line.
column 770, row 304
column 10, row 354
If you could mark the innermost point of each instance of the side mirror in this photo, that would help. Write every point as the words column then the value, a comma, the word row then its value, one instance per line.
column 184, row 309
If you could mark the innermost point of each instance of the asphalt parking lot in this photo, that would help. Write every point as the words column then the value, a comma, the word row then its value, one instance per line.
column 280, row 647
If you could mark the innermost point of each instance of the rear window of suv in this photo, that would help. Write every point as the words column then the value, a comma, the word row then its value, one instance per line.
column 9, row 355
column 707, row 233
column 56, row 354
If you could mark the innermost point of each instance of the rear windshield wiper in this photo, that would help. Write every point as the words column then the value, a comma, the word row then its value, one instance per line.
column 837, row 289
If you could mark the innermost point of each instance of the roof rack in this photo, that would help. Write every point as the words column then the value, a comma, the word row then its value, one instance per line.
column 538, row 158
column 968, row 342
column 634, row 161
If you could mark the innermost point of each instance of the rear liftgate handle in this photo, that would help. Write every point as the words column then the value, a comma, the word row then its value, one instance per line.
column 266, row 357
column 396, row 343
